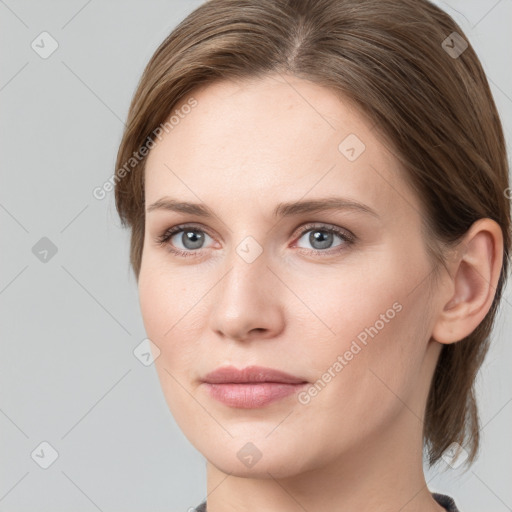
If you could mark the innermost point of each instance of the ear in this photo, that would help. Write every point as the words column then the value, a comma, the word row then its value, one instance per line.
column 471, row 285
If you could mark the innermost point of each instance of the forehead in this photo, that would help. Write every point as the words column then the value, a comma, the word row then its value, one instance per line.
column 277, row 137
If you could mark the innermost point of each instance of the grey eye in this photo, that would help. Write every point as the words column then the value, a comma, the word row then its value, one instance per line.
column 320, row 238
column 190, row 239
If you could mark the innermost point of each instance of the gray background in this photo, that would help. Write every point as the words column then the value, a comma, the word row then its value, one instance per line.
column 68, row 374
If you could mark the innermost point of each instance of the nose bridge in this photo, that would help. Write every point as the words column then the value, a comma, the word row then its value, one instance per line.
column 248, row 274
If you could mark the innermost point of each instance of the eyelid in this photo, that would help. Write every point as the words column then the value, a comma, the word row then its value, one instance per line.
column 164, row 237
column 322, row 226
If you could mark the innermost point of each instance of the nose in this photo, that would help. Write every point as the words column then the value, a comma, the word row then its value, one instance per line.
column 247, row 302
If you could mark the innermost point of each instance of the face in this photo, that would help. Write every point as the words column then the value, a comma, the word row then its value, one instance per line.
column 337, row 297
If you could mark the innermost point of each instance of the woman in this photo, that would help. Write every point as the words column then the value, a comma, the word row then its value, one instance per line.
column 320, row 230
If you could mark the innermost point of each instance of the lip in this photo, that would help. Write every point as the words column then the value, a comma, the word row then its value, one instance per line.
column 250, row 374
column 250, row 387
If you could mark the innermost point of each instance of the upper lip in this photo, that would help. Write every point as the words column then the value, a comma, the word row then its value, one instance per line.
column 228, row 374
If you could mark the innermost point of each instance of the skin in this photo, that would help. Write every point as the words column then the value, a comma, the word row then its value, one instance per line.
column 357, row 445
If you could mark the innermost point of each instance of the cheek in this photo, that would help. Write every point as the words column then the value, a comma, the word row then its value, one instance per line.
column 166, row 312
column 344, row 305
column 172, row 315
column 155, row 306
column 371, row 325
column 164, row 297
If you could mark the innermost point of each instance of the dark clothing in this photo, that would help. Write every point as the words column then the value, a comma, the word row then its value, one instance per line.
column 443, row 500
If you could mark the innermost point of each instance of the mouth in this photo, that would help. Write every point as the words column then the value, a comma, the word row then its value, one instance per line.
column 250, row 387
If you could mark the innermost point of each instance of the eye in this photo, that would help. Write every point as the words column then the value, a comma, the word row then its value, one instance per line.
column 322, row 237
column 187, row 240
column 190, row 238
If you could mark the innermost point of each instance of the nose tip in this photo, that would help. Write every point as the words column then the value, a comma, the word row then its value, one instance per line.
column 243, row 309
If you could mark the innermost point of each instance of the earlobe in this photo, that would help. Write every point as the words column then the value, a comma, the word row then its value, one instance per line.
column 476, row 272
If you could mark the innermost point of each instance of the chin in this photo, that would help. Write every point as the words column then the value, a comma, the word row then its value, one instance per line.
column 261, row 458
column 272, row 467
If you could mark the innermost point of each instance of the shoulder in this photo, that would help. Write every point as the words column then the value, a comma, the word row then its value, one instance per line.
column 445, row 501
column 201, row 507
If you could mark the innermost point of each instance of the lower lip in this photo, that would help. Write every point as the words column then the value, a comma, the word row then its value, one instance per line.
column 251, row 396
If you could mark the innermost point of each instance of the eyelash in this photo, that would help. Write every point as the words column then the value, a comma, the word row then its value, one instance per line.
column 347, row 237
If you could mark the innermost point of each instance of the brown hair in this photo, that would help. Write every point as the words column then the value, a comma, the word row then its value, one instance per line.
column 392, row 58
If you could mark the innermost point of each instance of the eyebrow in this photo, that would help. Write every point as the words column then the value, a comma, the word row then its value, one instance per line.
column 281, row 210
